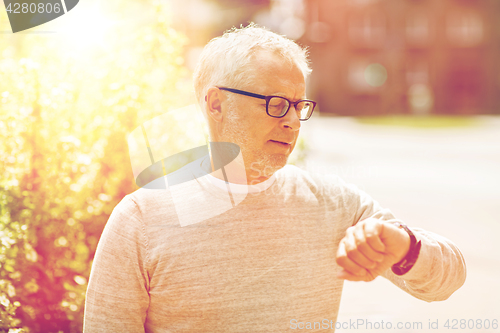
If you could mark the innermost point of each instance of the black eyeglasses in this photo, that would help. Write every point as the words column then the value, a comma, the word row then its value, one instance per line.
column 277, row 106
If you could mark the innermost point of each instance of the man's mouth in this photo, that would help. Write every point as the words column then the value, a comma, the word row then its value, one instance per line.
column 281, row 142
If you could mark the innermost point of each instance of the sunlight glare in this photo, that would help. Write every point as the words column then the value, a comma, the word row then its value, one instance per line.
column 87, row 28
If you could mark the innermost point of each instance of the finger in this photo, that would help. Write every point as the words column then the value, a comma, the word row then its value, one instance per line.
column 344, row 275
column 373, row 232
column 346, row 263
column 365, row 248
column 353, row 251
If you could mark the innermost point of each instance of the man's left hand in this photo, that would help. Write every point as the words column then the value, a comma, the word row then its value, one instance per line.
column 369, row 248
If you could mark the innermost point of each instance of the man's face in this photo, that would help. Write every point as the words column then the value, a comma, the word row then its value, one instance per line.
column 266, row 142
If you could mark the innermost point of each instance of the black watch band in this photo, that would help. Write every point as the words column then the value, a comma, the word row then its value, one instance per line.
column 411, row 257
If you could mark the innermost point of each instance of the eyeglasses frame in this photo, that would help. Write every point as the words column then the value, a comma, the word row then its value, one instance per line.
column 268, row 98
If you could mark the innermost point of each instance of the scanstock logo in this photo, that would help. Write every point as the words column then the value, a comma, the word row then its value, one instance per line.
column 26, row 14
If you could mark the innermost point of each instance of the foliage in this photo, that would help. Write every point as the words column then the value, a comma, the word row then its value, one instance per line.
column 64, row 164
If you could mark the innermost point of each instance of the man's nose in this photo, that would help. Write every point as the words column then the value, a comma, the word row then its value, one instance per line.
column 291, row 119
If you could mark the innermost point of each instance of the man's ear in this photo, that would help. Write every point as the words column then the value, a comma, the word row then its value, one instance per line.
column 214, row 100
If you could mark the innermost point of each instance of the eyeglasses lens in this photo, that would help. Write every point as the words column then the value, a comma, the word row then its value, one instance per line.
column 304, row 110
column 278, row 106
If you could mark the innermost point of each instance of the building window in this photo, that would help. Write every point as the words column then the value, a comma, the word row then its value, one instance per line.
column 367, row 29
column 464, row 29
column 417, row 30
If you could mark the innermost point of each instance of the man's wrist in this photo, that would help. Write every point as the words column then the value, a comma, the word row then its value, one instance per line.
column 407, row 262
column 407, row 245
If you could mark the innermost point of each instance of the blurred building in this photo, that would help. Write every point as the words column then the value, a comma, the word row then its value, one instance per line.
column 375, row 57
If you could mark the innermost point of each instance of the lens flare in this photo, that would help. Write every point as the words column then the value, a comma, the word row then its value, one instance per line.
column 375, row 75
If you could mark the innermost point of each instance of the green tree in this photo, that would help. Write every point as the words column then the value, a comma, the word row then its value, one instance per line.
column 64, row 163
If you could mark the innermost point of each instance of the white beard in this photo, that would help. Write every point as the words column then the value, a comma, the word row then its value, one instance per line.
column 255, row 159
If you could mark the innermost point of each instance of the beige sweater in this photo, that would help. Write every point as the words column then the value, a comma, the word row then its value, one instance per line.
column 250, row 263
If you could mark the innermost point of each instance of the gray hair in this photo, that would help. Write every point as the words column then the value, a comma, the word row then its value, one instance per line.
column 225, row 59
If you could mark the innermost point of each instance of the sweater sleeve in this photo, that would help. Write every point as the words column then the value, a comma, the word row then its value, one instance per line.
column 117, row 295
column 440, row 268
column 438, row 272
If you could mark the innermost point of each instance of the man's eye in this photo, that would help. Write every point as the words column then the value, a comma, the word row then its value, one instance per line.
column 277, row 103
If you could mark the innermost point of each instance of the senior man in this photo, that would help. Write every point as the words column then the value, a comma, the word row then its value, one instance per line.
column 278, row 256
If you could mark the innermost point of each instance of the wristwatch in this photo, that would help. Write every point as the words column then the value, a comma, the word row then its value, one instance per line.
column 411, row 257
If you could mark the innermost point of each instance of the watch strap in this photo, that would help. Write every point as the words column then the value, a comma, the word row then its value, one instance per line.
column 411, row 257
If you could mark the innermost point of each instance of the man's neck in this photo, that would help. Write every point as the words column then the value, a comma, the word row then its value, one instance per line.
column 236, row 172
